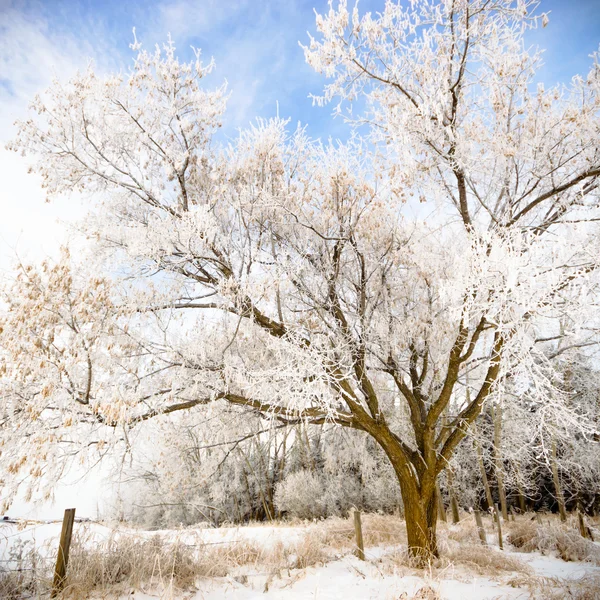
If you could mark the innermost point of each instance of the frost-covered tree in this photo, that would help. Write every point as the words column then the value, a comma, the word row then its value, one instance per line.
column 359, row 283
column 226, row 465
column 60, row 346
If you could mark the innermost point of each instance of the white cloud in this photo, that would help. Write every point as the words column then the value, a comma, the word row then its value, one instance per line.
column 30, row 56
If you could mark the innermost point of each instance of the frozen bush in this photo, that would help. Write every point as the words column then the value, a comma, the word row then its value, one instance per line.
column 301, row 494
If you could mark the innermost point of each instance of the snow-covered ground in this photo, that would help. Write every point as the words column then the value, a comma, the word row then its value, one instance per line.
column 342, row 576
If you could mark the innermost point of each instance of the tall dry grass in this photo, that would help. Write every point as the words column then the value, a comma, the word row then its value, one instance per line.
column 123, row 562
column 24, row 573
column 377, row 530
column 16, row 585
column 586, row 587
column 553, row 537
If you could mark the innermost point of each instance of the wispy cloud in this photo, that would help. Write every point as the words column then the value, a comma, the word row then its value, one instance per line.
column 30, row 55
column 255, row 46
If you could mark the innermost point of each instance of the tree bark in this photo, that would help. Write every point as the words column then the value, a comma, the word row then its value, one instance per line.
column 453, row 501
column 521, row 494
column 498, row 467
column 418, row 490
column 557, row 487
column 484, row 479
column 440, row 501
column 421, row 523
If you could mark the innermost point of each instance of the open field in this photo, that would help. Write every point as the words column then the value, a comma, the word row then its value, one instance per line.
column 293, row 561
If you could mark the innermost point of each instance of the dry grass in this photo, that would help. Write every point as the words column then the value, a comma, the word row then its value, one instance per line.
column 122, row 562
column 554, row 588
column 23, row 575
column 425, row 593
column 522, row 534
column 466, row 557
column 377, row 530
column 482, row 560
column 464, row 532
column 564, row 540
column 15, row 585
column 309, row 552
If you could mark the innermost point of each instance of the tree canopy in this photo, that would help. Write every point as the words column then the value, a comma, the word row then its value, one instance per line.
column 393, row 284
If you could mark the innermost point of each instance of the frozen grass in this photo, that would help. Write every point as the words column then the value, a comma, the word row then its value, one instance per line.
column 377, row 530
column 123, row 562
column 130, row 563
column 22, row 574
column 553, row 537
column 586, row 587
column 175, row 562
column 425, row 593
column 463, row 558
column 15, row 585
column 483, row 561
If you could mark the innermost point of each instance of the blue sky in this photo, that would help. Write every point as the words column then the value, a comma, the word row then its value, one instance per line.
column 254, row 44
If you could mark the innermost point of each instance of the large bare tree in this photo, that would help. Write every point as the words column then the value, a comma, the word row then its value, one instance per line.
column 353, row 283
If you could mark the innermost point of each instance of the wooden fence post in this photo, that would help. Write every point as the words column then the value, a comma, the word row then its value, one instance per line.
column 62, row 560
column 499, row 528
column 480, row 528
column 359, row 537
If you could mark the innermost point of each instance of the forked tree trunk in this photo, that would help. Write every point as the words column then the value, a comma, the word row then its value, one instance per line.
column 421, row 514
column 420, row 501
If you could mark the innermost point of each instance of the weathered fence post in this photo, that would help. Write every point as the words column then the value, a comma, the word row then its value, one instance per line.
column 62, row 559
column 499, row 527
column 480, row 528
column 359, row 537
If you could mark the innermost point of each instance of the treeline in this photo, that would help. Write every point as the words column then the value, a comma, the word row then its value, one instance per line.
column 219, row 470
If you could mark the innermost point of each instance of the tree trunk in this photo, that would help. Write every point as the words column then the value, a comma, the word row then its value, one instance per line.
column 521, row 498
column 497, row 416
column 453, row 501
column 521, row 495
column 421, row 523
column 486, row 485
column 440, row 501
column 419, row 498
column 557, row 487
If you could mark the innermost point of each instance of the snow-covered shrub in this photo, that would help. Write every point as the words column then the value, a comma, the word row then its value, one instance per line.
column 301, row 495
